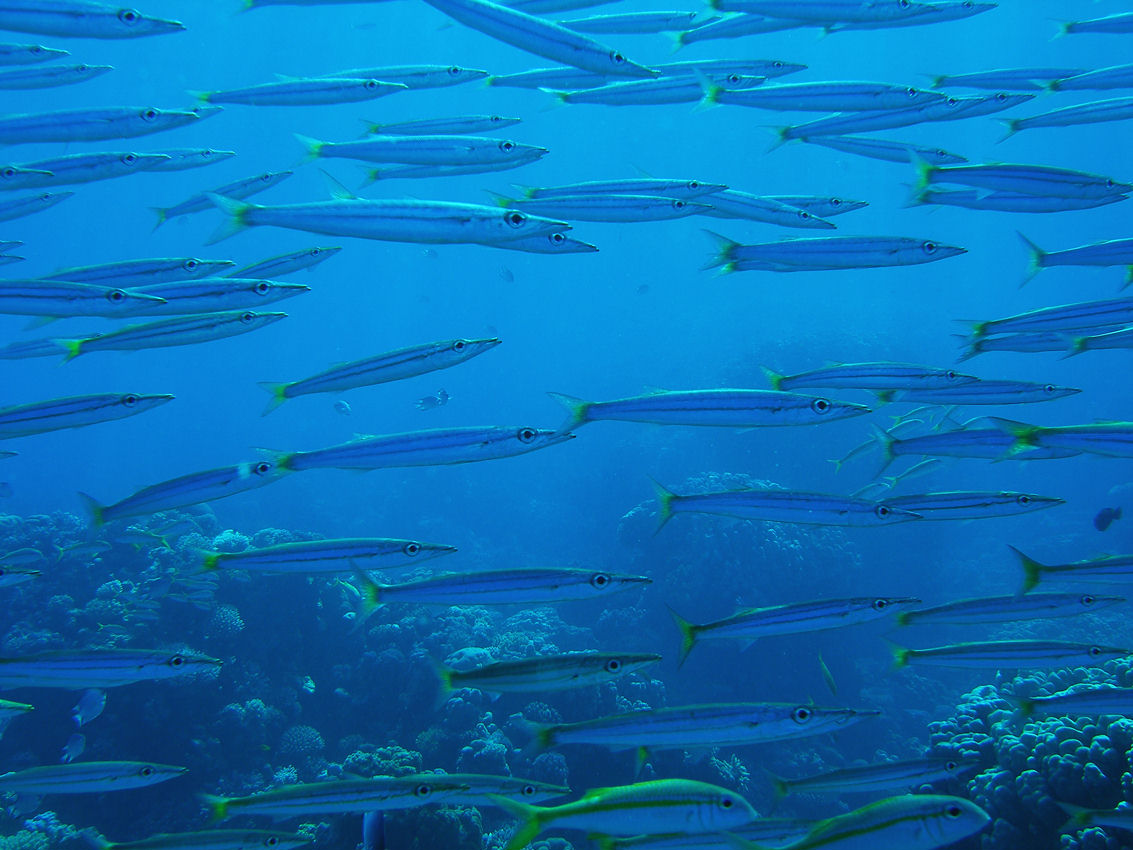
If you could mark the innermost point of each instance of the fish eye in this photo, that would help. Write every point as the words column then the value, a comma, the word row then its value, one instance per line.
column 950, row 766
column 314, row 252
column 507, row 146
column 1048, row 389
column 733, row 78
column 177, row 661
column 423, row 790
column 526, row 435
column 820, row 405
column 411, row 548
column 882, row 511
column 494, row 119
column 271, row 841
column 266, row 177
column 1087, row 599
column 613, row 666
column 950, row 375
column 693, row 184
column 128, row 16
column 149, row 114
column 459, row 345
column 262, row 468
column 528, row 790
column 82, row 68
column 617, row 58
column 880, row 604
column 9, row 172
column 246, row 318
column 130, row 400
column 454, row 71
column 1095, row 651
column 262, row 287
column 929, row 247
column 952, row 101
column 1023, row 499
column 116, row 296
column 801, row 714
column 515, row 219
column 904, row 4
column 1109, row 182
column 835, row 202
column 953, row 811
column 371, row 84
column 600, row 580
column 1000, row 96
column 146, row 771
column 129, row 159
column 557, row 238
column 777, row 64
column 35, row 49
column 911, row 92
column 190, row 265
column 804, row 215
column 726, row 802
column 678, row 204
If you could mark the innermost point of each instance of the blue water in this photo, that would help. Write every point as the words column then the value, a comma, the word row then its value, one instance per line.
column 639, row 314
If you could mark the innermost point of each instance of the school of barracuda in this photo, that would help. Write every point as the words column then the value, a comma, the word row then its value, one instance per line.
column 192, row 301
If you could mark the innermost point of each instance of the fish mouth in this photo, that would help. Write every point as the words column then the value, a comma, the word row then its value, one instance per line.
column 634, row 580
column 898, row 514
column 160, row 398
column 848, row 715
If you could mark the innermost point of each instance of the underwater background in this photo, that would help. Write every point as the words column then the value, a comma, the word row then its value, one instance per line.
column 303, row 692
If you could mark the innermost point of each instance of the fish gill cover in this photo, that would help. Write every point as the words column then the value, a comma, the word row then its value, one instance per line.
column 605, row 331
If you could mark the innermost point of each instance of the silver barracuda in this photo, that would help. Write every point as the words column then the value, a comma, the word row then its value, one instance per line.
column 335, row 555
column 781, row 506
column 192, row 489
column 547, row 672
column 391, row 221
column 750, row 624
column 144, row 272
column 92, row 125
column 245, row 187
column 62, row 299
column 308, row 92
column 423, row 448
column 540, row 37
column 722, row 408
column 76, row 670
column 286, row 264
column 1008, row 609
column 80, row 19
column 87, row 777
column 74, row 412
column 165, row 333
column 342, row 796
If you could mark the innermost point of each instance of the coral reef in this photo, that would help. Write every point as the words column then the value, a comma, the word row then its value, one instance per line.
column 1030, row 765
